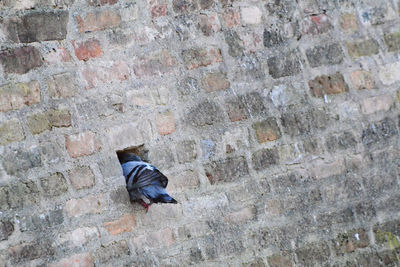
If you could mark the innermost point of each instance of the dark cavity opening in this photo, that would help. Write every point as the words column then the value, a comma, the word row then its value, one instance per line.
column 140, row 151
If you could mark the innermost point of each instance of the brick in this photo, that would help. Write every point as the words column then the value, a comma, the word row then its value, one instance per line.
column 88, row 49
column 20, row 60
column 321, row 169
column 250, row 15
column 22, row 194
column 102, row 2
column 21, row 159
column 231, row 18
column 272, row 38
column 331, row 54
column 41, row 222
column 61, row 85
column 362, row 79
column 30, row 251
column 328, row 85
column 343, row 141
column 227, row 170
column 264, row 158
column 234, row 42
column 11, row 131
column 236, row 109
column 267, row 130
column 54, row 185
column 97, row 76
column 280, row 260
column 184, row 6
column 78, row 237
column 389, row 73
column 131, row 138
column 313, row 254
column 377, row 103
column 184, row 180
column 350, row 241
column 254, row 102
column 6, row 229
column 316, row 24
column 159, row 9
column 392, row 41
column 348, row 22
column 201, row 57
column 81, row 177
column 205, row 113
column 215, row 81
column 98, row 21
column 162, row 157
column 209, row 24
column 362, row 48
column 156, row 63
column 59, row 54
column 29, row 28
column 165, row 123
column 378, row 131
column 125, row 224
column 387, row 233
column 82, row 144
column 287, row 64
column 186, row 151
column 87, row 205
column 15, row 96
column 76, row 260
column 38, row 123
column 240, row 216
column 301, row 122
column 161, row 238
column 59, row 117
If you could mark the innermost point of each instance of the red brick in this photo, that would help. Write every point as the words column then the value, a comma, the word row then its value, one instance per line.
column 81, row 177
column 161, row 238
column 87, row 205
column 165, row 123
column 125, row 224
column 376, row 104
column 15, row 96
column 20, row 60
column 241, row 216
column 215, row 81
column 97, row 21
column 362, row 79
column 328, row 85
column 77, row 260
column 157, row 63
column 348, row 22
column 88, row 49
column 231, row 18
column 317, row 24
column 201, row 57
column 82, row 144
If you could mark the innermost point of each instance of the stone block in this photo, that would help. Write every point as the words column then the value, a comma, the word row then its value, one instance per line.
column 87, row 49
column 231, row 18
column 328, row 85
column 21, row 159
column 378, row 131
column 313, row 254
column 215, row 81
column 264, row 158
column 280, row 260
column 236, row 109
column 376, row 104
column 11, row 131
column 41, row 222
column 61, row 85
column 15, row 96
column 184, row 6
column 267, row 130
column 284, row 65
column 124, row 224
column 116, row 249
column 30, row 251
column 362, row 79
column 156, row 63
column 251, row 15
column 348, row 22
column 331, row 54
column 87, row 205
column 54, row 185
column 102, row 2
column 98, row 20
column 363, row 48
column 316, row 24
column 272, row 38
column 350, row 241
column 20, row 60
column 227, row 170
column 161, row 238
column 81, row 177
column 82, row 144
column 201, row 57
column 392, row 41
column 209, row 24
column 6, row 229
column 186, row 151
column 389, row 73
column 165, row 123
column 76, row 260
column 38, row 123
column 235, row 44
column 205, row 113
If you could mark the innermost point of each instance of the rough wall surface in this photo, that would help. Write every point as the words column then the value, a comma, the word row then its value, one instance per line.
column 277, row 122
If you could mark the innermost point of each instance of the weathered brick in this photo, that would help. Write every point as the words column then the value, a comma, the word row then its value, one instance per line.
column 235, row 44
column 76, row 260
column 156, row 63
column 362, row 79
column 264, row 158
column 81, row 177
column 250, row 15
column 364, row 48
column 112, row 250
column 21, row 159
column 78, row 237
column 236, row 109
column 342, row 141
column 348, row 22
column 87, row 49
column 125, row 224
column 378, row 131
column 206, row 4
column 328, row 85
column 287, row 64
column 161, row 238
column 351, row 240
column 186, row 151
column 267, row 130
column 165, row 123
column 98, row 20
column 86, row 205
column 184, row 180
column 41, row 222
column 158, row 9
column 215, row 81
column 280, row 260
column 201, row 57
column 241, row 216
column 21, row 194
column 205, row 113
column 58, row 55
column 30, row 251
column 102, row 2
column 38, row 123
column 54, row 185
column 231, row 18
column 325, row 55
column 272, row 38
column 82, row 144
column 316, row 24
column 375, row 15
column 209, row 24
column 15, row 96
column 296, row 122
column 389, row 73
column 29, row 28
column 61, row 85
column 20, row 60
column 226, row 170
column 313, row 254
column 59, row 117
column 6, row 229
column 392, row 41
column 184, row 6
column 377, row 103
column 11, row 131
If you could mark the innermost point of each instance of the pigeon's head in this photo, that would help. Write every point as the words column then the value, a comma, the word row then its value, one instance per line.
column 127, row 156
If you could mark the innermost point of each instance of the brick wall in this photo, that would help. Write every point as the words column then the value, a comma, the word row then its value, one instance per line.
column 277, row 123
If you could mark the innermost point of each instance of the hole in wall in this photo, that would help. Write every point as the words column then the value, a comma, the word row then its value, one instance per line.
column 140, row 151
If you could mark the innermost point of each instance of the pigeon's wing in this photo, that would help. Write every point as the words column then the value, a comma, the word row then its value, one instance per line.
column 151, row 177
column 157, row 194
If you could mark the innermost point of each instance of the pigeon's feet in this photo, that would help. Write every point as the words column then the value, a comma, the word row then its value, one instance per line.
column 146, row 206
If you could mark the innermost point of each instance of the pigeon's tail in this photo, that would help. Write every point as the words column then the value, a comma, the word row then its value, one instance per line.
column 157, row 194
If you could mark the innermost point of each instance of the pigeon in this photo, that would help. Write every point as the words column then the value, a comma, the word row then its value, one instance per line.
column 144, row 182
